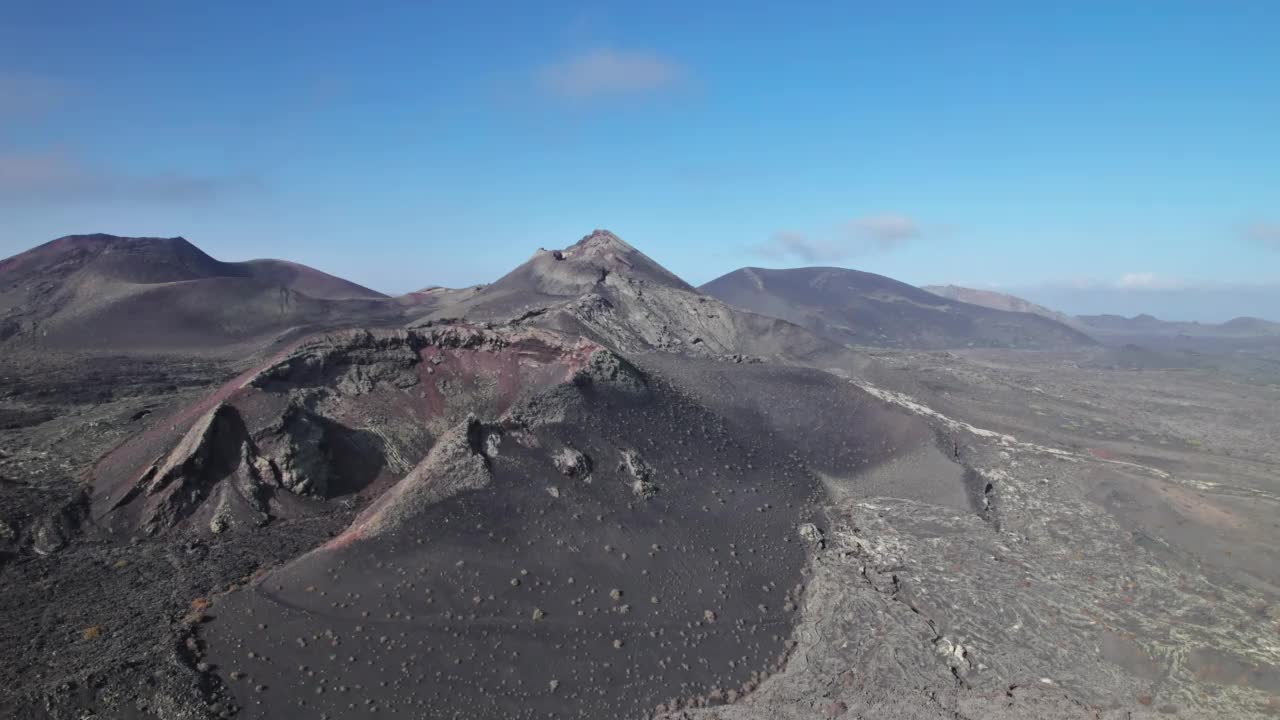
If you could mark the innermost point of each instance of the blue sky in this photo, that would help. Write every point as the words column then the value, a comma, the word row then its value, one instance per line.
column 1126, row 150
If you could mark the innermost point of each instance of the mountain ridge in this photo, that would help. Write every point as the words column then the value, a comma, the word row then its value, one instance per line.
column 1112, row 325
column 1143, row 323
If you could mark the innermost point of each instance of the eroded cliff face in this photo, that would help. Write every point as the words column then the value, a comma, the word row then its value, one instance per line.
column 338, row 416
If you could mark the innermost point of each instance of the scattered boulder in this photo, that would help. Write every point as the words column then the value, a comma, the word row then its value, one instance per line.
column 49, row 535
column 573, row 464
column 641, row 474
column 955, row 654
column 811, row 535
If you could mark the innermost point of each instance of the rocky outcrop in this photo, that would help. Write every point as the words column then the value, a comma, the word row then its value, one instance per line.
column 608, row 369
column 296, row 455
column 215, row 449
column 354, row 362
column 220, row 476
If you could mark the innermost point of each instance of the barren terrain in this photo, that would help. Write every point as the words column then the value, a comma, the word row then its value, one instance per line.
column 589, row 490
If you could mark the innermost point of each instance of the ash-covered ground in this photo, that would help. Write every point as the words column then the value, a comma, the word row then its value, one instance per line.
column 1123, row 566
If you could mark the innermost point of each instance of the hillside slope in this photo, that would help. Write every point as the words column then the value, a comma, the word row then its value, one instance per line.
column 108, row 292
column 999, row 301
column 861, row 308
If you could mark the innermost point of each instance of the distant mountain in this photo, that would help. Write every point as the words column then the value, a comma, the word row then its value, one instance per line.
column 1119, row 323
column 605, row 289
column 103, row 291
column 1141, row 327
column 997, row 301
column 1251, row 325
column 867, row 309
column 1115, row 328
column 1147, row 325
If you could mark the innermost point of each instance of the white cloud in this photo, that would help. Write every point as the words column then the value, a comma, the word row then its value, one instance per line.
column 887, row 230
column 605, row 72
column 1266, row 234
column 860, row 236
column 787, row 244
column 1148, row 281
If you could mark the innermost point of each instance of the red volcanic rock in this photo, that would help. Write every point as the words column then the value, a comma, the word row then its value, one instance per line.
column 343, row 414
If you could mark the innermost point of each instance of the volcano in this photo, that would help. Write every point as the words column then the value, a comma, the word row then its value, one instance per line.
column 553, row 507
column 589, row 489
column 120, row 293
